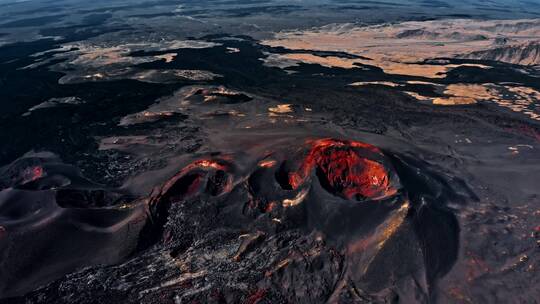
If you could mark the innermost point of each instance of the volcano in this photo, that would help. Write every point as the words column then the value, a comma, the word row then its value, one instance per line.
column 316, row 221
column 264, row 151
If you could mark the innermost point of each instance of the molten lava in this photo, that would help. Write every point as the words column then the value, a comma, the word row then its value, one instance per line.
column 346, row 168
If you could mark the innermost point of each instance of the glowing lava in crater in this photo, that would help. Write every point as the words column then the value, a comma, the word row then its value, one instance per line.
column 351, row 169
column 348, row 169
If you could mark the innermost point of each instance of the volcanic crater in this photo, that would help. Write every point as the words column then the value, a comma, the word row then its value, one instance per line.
column 316, row 221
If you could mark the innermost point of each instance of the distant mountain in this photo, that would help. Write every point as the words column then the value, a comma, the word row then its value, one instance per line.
column 418, row 33
column 525, row 54
column 432, row 35
column 532, row 26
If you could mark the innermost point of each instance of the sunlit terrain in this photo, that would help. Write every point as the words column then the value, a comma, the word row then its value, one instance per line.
column 269, row 151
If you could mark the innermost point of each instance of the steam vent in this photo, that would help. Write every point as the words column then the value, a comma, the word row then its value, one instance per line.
column 269, row 152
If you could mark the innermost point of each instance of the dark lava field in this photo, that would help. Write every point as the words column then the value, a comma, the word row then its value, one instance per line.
column 269, row 151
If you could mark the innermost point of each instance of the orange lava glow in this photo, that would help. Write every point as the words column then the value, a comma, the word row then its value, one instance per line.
column 205, row 163
column 33, row 173
column 267, row 163
column 341, row 167
column 37, row 172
